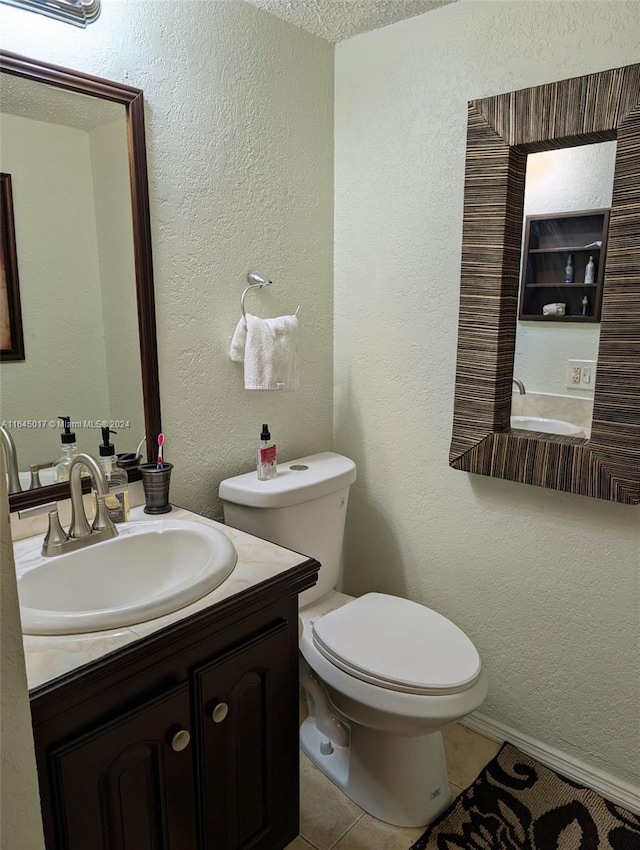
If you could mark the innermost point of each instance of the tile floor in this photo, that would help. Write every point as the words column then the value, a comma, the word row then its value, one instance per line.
column 330, row 821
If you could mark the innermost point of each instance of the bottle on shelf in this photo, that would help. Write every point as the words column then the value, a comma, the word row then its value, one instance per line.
column 568, row 270
column 585, row 306
column 590, row 271
column 69, row 451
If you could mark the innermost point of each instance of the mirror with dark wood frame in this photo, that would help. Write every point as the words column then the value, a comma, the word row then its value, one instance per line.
column 132, row 101
column 502, row 131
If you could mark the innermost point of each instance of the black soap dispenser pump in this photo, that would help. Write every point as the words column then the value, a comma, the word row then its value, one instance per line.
column 69, row 451
column 107, row 450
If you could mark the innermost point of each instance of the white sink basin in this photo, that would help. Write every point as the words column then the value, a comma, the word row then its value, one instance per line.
column 546, row 426
column 152, row 568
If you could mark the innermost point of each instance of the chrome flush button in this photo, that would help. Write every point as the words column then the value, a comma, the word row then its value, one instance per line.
column 298, row 466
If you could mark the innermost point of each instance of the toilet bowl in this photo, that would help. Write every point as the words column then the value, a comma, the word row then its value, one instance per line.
column 379, row 740
column 382, row 675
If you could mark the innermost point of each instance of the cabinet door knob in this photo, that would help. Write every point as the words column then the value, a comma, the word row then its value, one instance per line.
column 220, row 712
column 180, row 741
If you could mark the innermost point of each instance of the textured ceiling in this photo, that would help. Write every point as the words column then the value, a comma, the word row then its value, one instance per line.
column 31, row 99
column 335, row 20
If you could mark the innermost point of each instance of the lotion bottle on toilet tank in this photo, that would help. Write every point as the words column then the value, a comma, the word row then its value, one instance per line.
column 267, row 466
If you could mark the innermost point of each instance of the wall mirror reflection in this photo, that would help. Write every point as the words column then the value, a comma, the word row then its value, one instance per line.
column 568, row 195
column 67, row 155
column 75, row 147
column 503, row 132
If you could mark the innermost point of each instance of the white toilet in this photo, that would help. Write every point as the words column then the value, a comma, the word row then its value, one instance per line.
column 382, row 675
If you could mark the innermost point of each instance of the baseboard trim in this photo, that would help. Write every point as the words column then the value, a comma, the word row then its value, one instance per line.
column 619, row 792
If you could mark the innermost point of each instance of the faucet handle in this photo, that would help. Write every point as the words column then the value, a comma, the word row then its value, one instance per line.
column 55, row 537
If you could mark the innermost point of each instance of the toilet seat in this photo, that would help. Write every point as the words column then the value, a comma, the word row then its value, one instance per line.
column 399, row 645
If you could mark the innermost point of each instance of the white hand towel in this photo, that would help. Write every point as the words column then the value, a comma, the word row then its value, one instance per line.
column 269, row 350
column 239, row 341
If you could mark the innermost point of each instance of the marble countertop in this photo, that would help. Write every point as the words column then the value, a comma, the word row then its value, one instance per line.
column 50, row 656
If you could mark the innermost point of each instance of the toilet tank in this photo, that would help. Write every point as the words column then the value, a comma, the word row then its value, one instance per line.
column 303, row 509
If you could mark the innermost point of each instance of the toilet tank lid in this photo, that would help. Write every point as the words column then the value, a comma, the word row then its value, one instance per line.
column 297, row 481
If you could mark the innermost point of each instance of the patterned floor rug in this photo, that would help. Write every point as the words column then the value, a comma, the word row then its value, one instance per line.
column 517, row 804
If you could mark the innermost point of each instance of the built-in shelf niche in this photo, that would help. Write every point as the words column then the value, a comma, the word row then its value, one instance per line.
column 548, row 242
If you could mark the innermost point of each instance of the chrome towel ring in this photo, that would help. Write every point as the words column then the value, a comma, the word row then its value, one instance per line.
column 256, row 281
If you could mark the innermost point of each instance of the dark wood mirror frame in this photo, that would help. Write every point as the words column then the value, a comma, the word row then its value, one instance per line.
column 132, row 100
column 502, row 131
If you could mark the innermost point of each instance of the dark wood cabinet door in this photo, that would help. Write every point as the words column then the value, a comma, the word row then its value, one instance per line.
column 247, row 709
column 129, row 784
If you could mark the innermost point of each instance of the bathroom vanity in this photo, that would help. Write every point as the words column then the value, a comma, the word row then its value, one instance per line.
column 179, row 733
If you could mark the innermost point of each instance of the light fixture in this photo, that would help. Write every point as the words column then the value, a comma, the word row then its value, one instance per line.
column 76, row 12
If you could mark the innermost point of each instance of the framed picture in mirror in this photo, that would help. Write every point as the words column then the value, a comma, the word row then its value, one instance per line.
column 11, row 336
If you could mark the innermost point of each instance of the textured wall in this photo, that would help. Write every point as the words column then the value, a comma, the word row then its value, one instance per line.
column 566, row 180
column 239, row 111
column 20, row 824
column 546, row 584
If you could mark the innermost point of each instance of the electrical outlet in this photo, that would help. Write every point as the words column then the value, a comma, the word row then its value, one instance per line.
column 581, row 374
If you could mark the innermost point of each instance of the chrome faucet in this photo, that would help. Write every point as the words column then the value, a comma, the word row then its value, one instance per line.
column 80, row 533
column 11, row 460
column 519, row 385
